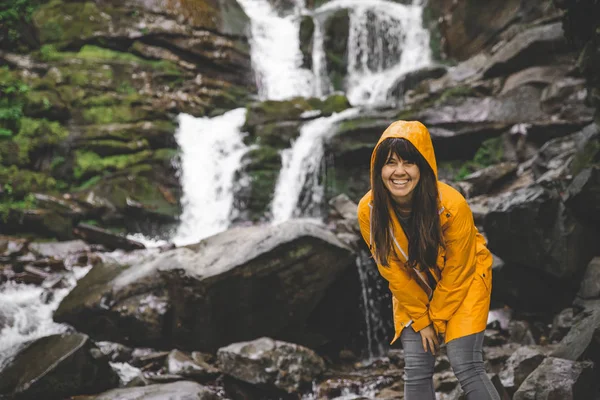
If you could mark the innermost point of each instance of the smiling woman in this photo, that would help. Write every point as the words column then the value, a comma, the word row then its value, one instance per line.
column 441, row 285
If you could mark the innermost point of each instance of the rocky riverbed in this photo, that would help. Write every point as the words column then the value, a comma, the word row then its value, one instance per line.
column 294, row 310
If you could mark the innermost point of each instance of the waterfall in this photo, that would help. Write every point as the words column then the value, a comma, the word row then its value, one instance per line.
column 211, row 153
column 276, row 55
column 301, row 166
column 386, row 40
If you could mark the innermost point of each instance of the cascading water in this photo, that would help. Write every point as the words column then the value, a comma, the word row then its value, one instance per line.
column 26, row 310
column 211, row 153
column 276, row 55
column 301, row 166
column 386, row 40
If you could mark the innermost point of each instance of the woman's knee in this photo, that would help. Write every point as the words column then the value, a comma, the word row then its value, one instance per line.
column 465, row 354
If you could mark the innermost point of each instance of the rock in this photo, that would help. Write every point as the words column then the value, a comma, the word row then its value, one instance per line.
column 412, row 79
column 345, row 207
column 531, row 227
column 583, row 195
column 271, row 363
column 520, row 333
column 55, row 367
column 467, row 28
column 561, row 325
column 59, row 250
column 520, row 364
column 12, row 247
column 273, row 283
column 556, row 378
column 178, row 363
column 495, row 357
column 335, row 44
column 183, row 390
column 581, row 343
column 540, row 43
column 93, row 234
column 486, row 178
column 545, row 75
column 590, row 284
column 116, row 352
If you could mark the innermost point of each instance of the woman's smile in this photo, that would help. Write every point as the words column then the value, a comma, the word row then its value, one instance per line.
column 400, row 177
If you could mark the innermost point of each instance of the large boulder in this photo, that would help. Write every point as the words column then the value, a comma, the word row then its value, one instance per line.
column 55, row 367
column 532, row 228
column 582, row 342
column 271, row 364
column 556, row 378
column 291, row 281
column 520, row 364
column 182, row 390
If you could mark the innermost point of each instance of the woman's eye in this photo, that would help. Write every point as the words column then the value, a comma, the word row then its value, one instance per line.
column 409, row 162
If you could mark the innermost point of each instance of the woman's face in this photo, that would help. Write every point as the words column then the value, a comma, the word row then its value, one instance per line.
column 400, row 177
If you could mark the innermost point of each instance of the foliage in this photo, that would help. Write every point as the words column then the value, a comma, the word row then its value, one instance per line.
column 15, row 19
column 489, row 153
column 13, row 92
column 89, row 163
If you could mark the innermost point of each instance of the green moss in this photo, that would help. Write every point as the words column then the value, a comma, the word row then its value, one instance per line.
column 111, row 99
column 334, row 104
column 17, row 183
column 64, row 22
column 116, row 113
column 13, row 94
column 110, row 147
column 89, row 163
column 15, row 20
column 272, row 110
column 489, row 153
column 33, row 134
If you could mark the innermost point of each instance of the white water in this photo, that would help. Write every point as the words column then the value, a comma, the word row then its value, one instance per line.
column 212, row 149
column 386, row 40
column 24, row 316
column 276, row 55
column 301, row 166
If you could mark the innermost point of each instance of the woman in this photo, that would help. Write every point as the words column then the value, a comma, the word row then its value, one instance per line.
column 422, row 236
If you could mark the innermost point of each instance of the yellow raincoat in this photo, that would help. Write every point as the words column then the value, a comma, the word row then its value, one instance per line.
column 460, row 303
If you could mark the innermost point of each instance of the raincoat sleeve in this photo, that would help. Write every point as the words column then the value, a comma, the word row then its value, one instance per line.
column 405, row 289
column 459, row 269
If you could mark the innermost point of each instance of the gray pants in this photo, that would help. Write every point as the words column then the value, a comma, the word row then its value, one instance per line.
column 466, row 358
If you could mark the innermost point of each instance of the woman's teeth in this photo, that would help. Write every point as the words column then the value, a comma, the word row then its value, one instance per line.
column 400, row 182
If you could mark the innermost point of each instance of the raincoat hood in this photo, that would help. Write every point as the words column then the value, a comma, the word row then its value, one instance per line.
column 416, row 133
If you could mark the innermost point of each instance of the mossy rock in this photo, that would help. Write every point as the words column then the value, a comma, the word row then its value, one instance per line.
column 333, row 104
column 276, row 134
column 107, row 148
column 34, row 134
column 119, row 114
column 307, row 30
column 114, row 99
column 68, row 22
column 88, row 163
column 17, row 183
column 337, row 31
column 158, row 134
column 46, row 104
column 143, row 184
column 272, row 110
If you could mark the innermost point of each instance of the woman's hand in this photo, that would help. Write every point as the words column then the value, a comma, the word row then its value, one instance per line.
column 430, row 339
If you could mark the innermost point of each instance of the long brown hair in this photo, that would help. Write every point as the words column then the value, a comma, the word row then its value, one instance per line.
column 425, row 232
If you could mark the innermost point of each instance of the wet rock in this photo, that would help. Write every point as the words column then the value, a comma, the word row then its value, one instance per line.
column 271, row 363
column 582, row 342
column 186, row 298
column 584, row 195
column 335, row 43
column 412, row 79
column 344, row 207
column 59, row 250
column 540, row 43
column 530, row 227
column 520, row 333
column 55, row 367
column 545, row 75
column 495, row 357
column 520, row 364
column 12, row 247
column 116, row 352
column 445, row 381
column 557, row 378
column 179, row 363
column 485, row 179
column 183, row 390
column 590, row 284
column 561, row 325
column 93, row 234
